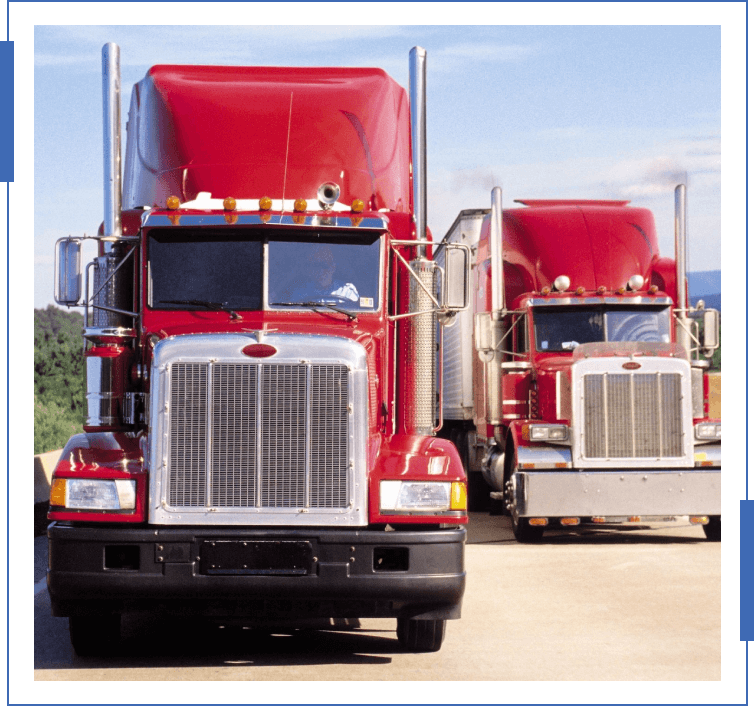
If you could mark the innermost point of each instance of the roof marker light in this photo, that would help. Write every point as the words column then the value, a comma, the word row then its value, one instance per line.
column 357, row 205
column 562, row 283
column 173, row 202
column 229, row 203
column 299, row 205
column 635, row 282
column 545, row 291
column 580, row 291
column 653, row 289
column 601, row 289
column 265, row 203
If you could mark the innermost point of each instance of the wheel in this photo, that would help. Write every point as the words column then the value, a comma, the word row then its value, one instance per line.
column 479, row 492
column 524, row 532
column 420, row 635
column 712, row 529
column 94, row 635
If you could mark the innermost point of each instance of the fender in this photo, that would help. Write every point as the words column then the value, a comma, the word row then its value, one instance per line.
column 103, row 455
column 420, row 458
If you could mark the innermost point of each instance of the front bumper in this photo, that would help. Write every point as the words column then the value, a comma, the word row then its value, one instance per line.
column 354, row 573
column 617, row 492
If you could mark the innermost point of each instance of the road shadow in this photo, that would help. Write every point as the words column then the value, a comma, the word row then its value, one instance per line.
column 496, row 529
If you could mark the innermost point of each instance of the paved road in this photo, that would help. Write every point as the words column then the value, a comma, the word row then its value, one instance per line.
column 640, row 604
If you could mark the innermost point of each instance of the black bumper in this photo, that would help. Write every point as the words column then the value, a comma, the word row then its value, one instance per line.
column 346, row 573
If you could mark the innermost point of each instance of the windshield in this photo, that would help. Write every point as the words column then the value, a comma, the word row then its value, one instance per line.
column 228, row 270
column 560, row 328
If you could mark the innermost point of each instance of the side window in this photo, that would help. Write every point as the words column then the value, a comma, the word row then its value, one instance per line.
column 521, row 340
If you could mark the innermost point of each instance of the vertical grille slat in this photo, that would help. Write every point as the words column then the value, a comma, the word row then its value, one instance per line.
column 278, row 434
column 635, row 415
column 188, row 435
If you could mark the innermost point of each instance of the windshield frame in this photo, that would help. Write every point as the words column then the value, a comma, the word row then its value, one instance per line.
column 602, row 308
column 264, row 236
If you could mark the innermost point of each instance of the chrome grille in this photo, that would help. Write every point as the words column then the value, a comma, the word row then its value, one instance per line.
column 633, row 416
column 258, row 435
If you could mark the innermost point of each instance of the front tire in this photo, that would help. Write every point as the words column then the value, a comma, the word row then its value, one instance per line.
column 712, row 529
column 94, row 635
column 420, row 635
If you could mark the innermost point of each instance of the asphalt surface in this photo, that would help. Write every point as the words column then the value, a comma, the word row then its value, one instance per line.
column 638, row 604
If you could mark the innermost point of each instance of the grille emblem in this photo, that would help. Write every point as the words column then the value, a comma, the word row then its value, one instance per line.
column 632, row 365
column 259, row 350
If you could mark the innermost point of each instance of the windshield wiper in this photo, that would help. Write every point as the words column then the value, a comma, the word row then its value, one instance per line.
column 215, row 306
column 314, row 306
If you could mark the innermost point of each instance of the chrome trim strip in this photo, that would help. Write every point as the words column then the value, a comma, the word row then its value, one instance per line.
column 150, row 220
column 577, row 301
column 544, row 456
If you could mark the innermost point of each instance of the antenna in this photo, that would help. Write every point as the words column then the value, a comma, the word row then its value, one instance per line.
column 287, row 145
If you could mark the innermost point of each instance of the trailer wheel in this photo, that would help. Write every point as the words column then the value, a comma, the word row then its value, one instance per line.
column 94, row 635
column 420, row 635
column 712, row 529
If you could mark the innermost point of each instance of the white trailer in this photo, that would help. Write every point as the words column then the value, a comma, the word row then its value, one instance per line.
column 458, row 338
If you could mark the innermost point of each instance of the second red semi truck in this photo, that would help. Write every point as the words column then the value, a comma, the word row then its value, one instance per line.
column 260, row 360
column 576, row 388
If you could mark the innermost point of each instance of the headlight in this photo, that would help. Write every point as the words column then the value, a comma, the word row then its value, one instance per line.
column 402, row 495
column 547, row 432
column 707, row 431
column 93, row 494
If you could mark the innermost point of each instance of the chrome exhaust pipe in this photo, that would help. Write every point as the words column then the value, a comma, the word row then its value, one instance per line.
column 111, row 137
column 418, row 101
column 682, row 327
column 496, row 253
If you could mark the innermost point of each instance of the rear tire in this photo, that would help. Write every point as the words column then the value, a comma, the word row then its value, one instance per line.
column 420, row 635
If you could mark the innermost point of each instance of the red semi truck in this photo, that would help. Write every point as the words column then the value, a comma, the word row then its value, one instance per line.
column 577, row 389
column 260, row 361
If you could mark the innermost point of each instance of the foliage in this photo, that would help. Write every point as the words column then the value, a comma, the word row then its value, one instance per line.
column 58, row 377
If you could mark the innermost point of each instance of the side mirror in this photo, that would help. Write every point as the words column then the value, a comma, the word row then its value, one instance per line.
column 456, row 282
column 711, row 336
column 68, row 271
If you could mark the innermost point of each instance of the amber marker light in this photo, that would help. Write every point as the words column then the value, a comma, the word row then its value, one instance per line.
column 299, row 205
column 699, row 520
column 545, row 291
column 265, row 203
column 601, row 290
column 458, row 496
column 565, row 521
column 173, row 202
column 622, row 290
column 57, row 492
column 634, row 518
column 229, row 203
column 357, row 205
column 580, row 290
column 652, row 289
column 538, row 521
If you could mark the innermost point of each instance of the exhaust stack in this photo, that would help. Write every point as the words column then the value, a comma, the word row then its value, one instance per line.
column 418, row 100
column 496, row 253
column 111, row 137
column 682, row 330
column 419, row 330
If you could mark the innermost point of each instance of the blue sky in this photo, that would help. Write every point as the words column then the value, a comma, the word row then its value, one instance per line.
column 543, row 111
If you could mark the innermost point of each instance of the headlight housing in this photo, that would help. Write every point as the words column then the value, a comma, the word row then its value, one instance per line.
column 421, row 496
column 708, row 431
column 93, row 494
column 546, row 432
